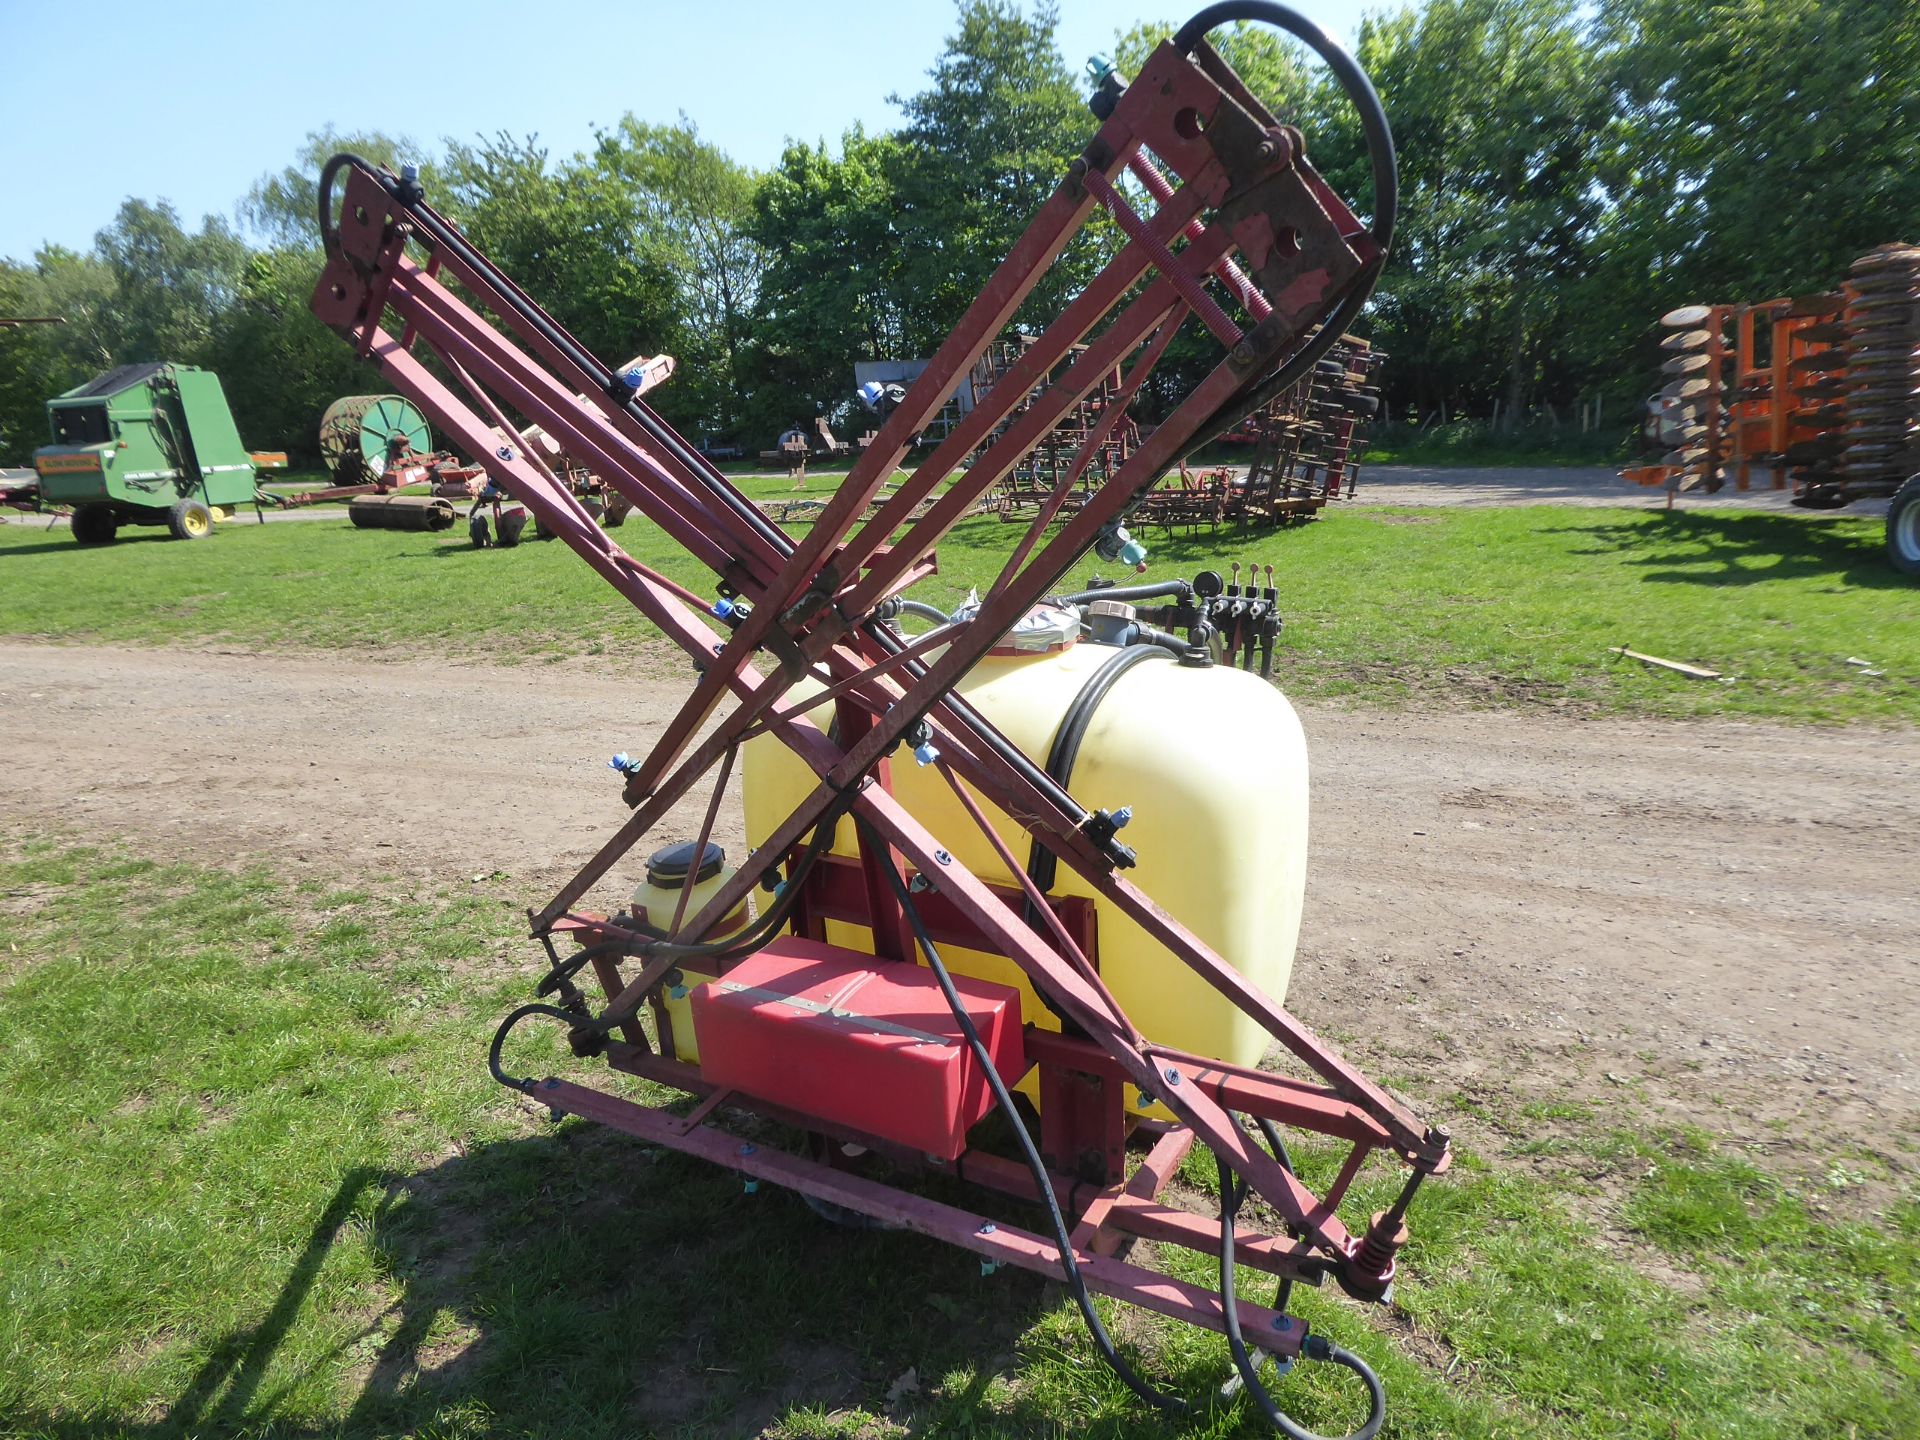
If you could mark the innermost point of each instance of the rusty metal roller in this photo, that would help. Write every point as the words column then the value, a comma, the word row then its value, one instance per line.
column 401, row 512
column 1883, row 335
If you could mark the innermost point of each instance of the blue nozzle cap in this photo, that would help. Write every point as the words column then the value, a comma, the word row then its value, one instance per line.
column 1099, row 67
column 1133, row 553
column 925, row 753
column 633, row 379
column 1122, row 817
column 624, row 763
column 722, row 608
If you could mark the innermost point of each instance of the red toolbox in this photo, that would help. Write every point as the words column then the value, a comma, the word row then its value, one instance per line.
column 867, row 1044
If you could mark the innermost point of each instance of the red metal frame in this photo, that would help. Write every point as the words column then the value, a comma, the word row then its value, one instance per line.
column 1247, row 214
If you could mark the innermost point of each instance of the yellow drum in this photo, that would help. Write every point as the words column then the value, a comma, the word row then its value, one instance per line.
column 1212, row 763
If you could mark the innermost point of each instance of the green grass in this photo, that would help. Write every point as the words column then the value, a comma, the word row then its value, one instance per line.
column 258, row 1183
column 1475, row 606
column 1475, row 443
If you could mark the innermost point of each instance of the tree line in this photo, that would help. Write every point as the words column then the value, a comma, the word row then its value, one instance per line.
column 1568, row 172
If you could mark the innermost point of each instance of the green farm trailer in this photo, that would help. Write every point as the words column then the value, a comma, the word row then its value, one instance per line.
column 148, row 444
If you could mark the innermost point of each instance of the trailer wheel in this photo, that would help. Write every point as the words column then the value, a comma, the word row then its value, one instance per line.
column 1903, row 528
column 95, row 525
column 190, row 520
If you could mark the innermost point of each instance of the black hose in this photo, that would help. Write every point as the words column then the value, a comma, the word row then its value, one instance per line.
column 1070, row 1268
column 1386, row 194
column 739, row 944
column 1042, row 863
column 1159, row 589
column 745, row 942
column 1314, row 1349
column 976, row 724
column 323, row 192
column 925, row 611
column 1283, row 1292
column 1159, row 639
column 1353, row 80
column 514, row 1082
column 564, row 970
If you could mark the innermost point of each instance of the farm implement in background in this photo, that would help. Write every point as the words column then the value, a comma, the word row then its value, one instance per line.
column 1817, row 392
column 147, row 444
column 945, row 922
column 372, row 446
column 1306, row 444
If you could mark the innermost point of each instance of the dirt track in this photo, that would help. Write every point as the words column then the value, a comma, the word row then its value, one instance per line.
column 1714, row 920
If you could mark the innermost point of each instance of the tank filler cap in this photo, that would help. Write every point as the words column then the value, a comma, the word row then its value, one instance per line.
column 668, row 868
column 1111, row 622
column 1043, row 629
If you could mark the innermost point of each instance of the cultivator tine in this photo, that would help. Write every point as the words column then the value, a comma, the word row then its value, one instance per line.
column 1819, row 389
column 1883, row 372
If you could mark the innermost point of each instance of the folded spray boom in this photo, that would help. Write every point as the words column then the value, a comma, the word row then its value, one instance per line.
column 1242, row 238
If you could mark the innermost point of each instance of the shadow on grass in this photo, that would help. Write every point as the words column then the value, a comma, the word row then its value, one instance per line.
column 67, row 545
column 580, row 1284
column 1745, row 548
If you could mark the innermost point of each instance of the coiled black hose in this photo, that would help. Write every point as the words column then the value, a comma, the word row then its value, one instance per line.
column 524, row 1083
column 1386, row 193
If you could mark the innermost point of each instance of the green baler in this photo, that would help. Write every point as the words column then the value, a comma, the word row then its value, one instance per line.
column 150, row 444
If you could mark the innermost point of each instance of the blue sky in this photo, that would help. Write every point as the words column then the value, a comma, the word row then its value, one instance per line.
column 191, row 101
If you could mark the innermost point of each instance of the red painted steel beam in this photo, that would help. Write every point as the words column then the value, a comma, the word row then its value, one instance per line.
column 1004, row 1244
column 1250, row 1092
column 1035, row 363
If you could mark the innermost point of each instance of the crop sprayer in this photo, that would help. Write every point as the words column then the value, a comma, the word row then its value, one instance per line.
column 930, row 926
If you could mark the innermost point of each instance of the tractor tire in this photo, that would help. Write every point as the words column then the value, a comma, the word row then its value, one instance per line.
column 190, row 520
column 95, row 525
column 1903, row 528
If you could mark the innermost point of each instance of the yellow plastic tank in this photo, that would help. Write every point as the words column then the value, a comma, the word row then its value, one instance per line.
column 1213, row 765
column 671, row 872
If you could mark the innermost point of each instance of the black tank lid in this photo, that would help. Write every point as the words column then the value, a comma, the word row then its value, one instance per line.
column 668, row 868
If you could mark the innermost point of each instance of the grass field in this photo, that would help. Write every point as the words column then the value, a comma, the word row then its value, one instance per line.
column 1475, row 442
column 1475, row 606
column 258, row 1183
